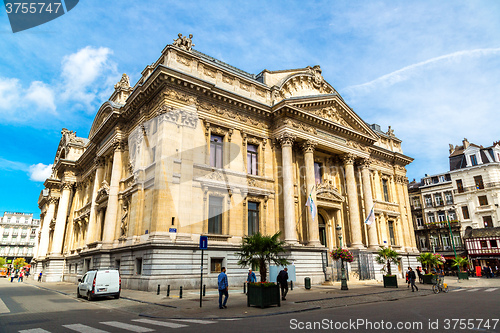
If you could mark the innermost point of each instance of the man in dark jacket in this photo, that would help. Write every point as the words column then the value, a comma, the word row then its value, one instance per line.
column 412, row 277
column 282, row 279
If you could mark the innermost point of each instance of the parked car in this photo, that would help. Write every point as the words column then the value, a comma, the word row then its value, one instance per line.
column 100, row 283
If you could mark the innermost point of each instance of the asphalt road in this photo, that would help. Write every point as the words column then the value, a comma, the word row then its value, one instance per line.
column 27, row 309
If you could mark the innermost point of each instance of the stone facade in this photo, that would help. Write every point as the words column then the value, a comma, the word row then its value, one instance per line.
column 198, row 147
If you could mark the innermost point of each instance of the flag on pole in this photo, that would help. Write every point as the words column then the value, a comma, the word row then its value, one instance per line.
column 312, row 206
column 371, row 217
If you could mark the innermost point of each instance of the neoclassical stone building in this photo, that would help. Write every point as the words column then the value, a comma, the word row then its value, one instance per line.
column 199, row 147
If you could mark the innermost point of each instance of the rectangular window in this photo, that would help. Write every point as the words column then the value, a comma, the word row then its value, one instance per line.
column 452, row 215
column 484, row 243
column 460, row 186
column 493, row 243
column 428, row 201
column 253, row 218
column 473, row 160
column 449, row 198
column 446, row 241
column 431, row 218
column 438, row 199
column 252, row 159
column 416, row 202
column 442, row 179
column 457, row 240
column 434, row 241
column 488, row 222
column 441, row 217
column 478, row 180
column 386, row 190
column 215, row 215
column 465, row 212
column 483, row 200
column 216, row 149
column 423, row 243
column 391, row 233
column 117, row 264
column 420, row 223
column 153, row 154
column 138, row 266
column 215, row 265
column 318, row 176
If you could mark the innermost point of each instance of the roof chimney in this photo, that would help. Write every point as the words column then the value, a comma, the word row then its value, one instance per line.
column 466, row 143
column 452, row 149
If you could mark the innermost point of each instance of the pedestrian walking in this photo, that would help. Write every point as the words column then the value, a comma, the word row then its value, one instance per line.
column 412, row 278
column 419, row 273
column 12, row 275
column 251, row 277
column 407, row 278
column 40, row 277
column 282, row 279
column 21, row 275
column 223, row 288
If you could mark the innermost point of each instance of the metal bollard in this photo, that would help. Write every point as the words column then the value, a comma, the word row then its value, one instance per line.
column 168, row 291
column 158, row 291
column 180, row 293
column 291, row 285
column 204, row 286
column 244, row 288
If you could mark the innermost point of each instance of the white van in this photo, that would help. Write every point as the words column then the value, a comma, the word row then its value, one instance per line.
column 99, row 283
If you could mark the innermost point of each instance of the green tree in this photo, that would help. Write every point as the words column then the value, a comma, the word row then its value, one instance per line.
column 19, row 263
column 3, row 261
column 461, row 262
column 386, row 256
column 259, row 250
column 427, row 259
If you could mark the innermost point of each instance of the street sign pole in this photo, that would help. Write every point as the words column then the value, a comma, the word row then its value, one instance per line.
column 201, row 279
column 203, row 246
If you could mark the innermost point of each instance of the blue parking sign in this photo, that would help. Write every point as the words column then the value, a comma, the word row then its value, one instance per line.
column 203, row 242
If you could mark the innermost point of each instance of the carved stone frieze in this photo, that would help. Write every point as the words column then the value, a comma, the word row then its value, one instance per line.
column 298, row 125
column 332, row 114
column 229, row 114
column 357, row 145
column 178, row 116
column 179, row 96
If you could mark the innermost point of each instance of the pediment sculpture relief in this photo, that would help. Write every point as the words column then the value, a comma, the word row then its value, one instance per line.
column 332, row 114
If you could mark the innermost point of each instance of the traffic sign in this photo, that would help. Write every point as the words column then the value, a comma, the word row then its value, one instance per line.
column 203, row 242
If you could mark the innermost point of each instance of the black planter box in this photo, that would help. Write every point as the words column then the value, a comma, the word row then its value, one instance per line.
column 263, row 296
column 390, row 281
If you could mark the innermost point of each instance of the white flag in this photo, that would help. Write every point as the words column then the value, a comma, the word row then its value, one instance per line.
column 371, row 217
column 312, row 207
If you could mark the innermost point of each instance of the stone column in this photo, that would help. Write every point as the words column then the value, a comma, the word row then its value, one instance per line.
column 368, row 201
column 352, row 196
column 405, row 229
column 99, row 176
column 43, row 246
column 312, row 223
column 62, row 212
column 286, row 141
column 110, row 220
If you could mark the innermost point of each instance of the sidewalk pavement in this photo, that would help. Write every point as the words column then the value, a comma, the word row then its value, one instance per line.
column 299, row 299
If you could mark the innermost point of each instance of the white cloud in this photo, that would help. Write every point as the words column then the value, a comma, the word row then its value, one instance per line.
column 40, row 172
column 12, row 165
column 42, row 95
column 10, row 91
column 80, row 71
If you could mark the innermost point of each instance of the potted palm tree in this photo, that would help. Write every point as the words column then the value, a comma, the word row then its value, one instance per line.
column 427, row 259
column 386, row 256
column 258, row 250
column 461, row 262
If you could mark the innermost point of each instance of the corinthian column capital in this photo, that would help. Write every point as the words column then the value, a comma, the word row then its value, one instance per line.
column 119, row 145
column 309, row 146
column 66, row 185
column 348, row 159
column 286, row 139
column 99, row 161
column 365, row 163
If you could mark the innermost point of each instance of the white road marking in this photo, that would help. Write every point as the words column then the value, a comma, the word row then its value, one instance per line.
column 458, row 289
column 34, row 330
column 475, row 289
column 129, row 327
column 159, row 323
column 491, row 289
column 84, row 328
column 196, row 321
column 3, row 307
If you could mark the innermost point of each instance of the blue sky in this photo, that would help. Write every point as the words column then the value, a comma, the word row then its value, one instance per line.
column 430, row 69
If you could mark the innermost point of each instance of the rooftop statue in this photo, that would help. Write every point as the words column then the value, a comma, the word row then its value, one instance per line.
column 184, row 43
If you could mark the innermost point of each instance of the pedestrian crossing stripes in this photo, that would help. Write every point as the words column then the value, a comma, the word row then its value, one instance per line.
column 456, row 290
column 81, row 328
column 471, row 290
column 491, row 289
column 3, row 307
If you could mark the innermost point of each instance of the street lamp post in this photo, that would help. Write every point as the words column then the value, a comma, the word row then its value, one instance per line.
column 343, row 283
